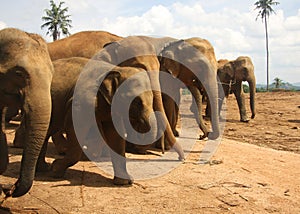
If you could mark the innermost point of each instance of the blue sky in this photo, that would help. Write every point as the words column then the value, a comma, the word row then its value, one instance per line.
column 228, row 24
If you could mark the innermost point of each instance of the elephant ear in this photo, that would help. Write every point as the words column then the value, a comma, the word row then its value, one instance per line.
column 108, row 53
column 109, row 85
column 228, row 68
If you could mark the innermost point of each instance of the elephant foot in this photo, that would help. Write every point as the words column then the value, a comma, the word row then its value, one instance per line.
column 244, row 120
column 202, row 137
column 252, row 116
column 176, row 133
column 122, row 181
column 43, row 167
column 57, row 169
column 136, row 149
column 158, row 145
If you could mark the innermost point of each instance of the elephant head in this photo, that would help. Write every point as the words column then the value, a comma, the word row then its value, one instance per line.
column 25, row 78
column 232, row 74
column 189, row 65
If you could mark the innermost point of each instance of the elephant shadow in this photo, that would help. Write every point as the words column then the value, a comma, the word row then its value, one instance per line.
column 75, row 176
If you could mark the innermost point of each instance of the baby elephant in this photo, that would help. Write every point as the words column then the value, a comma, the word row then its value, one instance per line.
column 65, row 105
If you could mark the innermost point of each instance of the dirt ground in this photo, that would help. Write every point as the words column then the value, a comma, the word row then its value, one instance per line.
column 254, row 170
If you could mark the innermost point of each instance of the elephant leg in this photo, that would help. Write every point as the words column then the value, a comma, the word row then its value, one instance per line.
column 171, row 110
column 240, row 98
column 42, row 165
column 198, row 100
column 60, row 142
column 10, row 113
column 117, row 150
column 20, row 135
column 73, row 152
column 3, row 149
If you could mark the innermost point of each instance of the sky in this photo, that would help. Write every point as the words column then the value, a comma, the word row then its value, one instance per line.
column 229, row 25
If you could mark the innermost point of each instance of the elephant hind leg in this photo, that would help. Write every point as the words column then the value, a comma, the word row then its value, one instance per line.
column 73, row 154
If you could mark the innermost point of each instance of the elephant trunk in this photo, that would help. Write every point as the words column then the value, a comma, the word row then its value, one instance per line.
column 212, row 90
column 3, row 148
column 37, row 108
column 252, row 88
column 213, row 102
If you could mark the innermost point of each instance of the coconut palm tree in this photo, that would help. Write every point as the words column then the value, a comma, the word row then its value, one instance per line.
column 265, row 9
column 57, row 20
column 278, row 82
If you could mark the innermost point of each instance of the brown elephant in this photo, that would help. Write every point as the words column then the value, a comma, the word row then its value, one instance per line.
column 62, row 90
column 141, row 52
column 232, row 74
column 205, row 47
column 25, row 77
column 193, row 62
column 82, row 44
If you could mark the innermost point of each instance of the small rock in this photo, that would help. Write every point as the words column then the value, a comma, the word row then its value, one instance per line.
column 295, row 127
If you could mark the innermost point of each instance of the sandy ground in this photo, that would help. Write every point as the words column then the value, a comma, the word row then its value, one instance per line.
column 249, row 173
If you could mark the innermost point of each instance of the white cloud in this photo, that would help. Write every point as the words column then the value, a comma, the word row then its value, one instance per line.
column 2, row 25
column 229, row 25
column 232, row 32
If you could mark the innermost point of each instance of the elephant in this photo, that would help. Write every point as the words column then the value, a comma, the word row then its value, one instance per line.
column 25, row 77
column 204, row 47
column 232, row 74
column 193, row 62
column 65, row 78
column 81, row 44
column 142, row 52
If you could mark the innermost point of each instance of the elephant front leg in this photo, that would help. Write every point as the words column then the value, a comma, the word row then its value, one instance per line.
column 198, row 100
column 117, row 151
column 240, row 98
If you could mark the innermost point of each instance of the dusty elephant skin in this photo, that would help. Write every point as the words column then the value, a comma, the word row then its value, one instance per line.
column 25, row 78
column 232, row 74
column 83, row 44
column 64, row 80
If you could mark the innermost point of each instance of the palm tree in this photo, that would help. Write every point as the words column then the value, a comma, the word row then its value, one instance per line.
column 278, row 82
column 56, row 20
column 265, row 9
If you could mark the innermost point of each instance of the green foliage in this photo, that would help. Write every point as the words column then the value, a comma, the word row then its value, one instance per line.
column 246, row 88
column 265, row 8
column 57, row 20
column 185, row 91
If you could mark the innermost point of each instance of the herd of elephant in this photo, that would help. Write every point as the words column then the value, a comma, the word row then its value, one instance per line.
column 55, row 83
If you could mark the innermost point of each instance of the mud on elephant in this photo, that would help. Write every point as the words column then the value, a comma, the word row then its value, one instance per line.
column 231, row 75
column 25, row 77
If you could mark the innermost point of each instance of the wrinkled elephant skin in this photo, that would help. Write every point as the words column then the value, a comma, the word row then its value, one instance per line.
column 25, row 78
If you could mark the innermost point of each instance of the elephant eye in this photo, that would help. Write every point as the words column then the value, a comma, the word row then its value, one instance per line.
column 19, row 71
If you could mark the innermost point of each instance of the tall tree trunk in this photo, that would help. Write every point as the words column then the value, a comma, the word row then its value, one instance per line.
column 55, row 33
column 267, row 49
